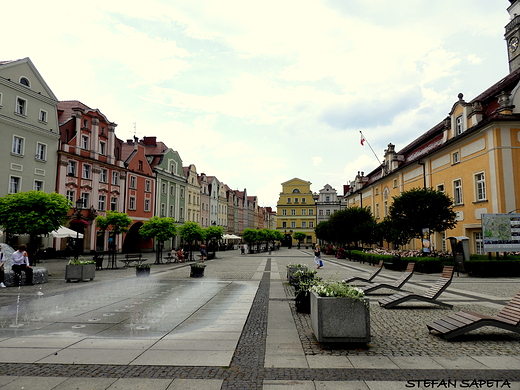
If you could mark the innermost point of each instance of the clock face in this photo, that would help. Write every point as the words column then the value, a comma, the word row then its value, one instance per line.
column 513, row 44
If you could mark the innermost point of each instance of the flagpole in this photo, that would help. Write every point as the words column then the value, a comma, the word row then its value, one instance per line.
column 368, row 143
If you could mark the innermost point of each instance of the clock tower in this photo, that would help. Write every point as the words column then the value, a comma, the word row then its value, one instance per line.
column 512, row 35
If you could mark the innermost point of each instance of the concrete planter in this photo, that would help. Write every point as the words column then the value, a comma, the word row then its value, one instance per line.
column 292, row 270
column 142, row 272
column 197, row 272
column 80, row 272
column 340, row 319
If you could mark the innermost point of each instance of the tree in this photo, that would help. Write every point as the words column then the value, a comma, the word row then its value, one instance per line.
column 420, row 208
column 116, row 223
column 212, row 234
column 161, row 229
column 34, row 213
column 323, row 231
column 386, row 230
column 299, row 236
column 190, row 232
column 352, row 225
column 250, row 236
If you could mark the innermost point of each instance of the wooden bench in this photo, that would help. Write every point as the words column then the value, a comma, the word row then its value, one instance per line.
column 129, row 259
column 369, row 279
column 397, row 285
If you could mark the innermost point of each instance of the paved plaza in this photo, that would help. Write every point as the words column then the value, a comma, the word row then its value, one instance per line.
column 237, row 328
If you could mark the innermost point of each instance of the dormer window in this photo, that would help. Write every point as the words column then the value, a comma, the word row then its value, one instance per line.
column 25, row 81
column 459, row 125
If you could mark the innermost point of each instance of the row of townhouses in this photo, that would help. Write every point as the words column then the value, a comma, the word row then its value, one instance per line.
column 473, row 155
column 72, row 149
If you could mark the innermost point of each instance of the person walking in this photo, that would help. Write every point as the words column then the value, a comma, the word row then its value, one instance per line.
column 203, row 253
column 2, row 271
column 317, row 257
column 21, row 263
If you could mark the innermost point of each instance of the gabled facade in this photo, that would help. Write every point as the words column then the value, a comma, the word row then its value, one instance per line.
column 213, row 200
column 296, row 210
column 192, row 196
column 29, row 128
column 222, row 206
column 231, row 210
column 170, row 183
column 327, row 203
column 140, row 194
column 90, row 168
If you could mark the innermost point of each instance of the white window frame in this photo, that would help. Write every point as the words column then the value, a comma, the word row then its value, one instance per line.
column 284, row 212
column 86, row 171
column 113, row 204
column 85, row 142
column 441, row 188
column 41, row 151
column 163, row 210
column 18, row 145
column 304, row 224
column 103, row 175
column 163, row 188
column 480, row 186
column 21, row 106
column 38, row 185
column 102, row 201
column 85, row 196
column 459, row 125
column 115, row 178
column 456, row 158
column 147, row 205
column 171, row 211
column 71, row 195
column 304, row 212
column 293, row 224
column 148, row 186
column 284, row 224
column 303, row 200
column 15, row 183
column 479, row 243
column 458, row 195
column 289, row 200
column 25, row 81
column 133, row 182
column 131, row 203
column 295, row 200
column 311, row 212
column 72, row 168
column 42, row 117
column 102, row 148
column 293, row 211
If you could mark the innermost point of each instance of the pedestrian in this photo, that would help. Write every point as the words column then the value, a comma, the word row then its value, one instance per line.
column 317, row 257
column 21, row 263
column 203, row 253
column 2, row 272
column 242, row 250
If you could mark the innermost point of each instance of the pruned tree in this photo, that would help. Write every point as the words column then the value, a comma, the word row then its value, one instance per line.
column 190, row 232
column 160, row 229
column 299, row 236
column 116, row 223
column 353, row 225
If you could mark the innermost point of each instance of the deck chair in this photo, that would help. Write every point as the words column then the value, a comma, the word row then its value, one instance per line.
column 465, row 321
column 430, row 296
column 396, row 285
column 369, row 279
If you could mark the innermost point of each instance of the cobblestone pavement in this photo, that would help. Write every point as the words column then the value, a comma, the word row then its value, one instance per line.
column 395, row 333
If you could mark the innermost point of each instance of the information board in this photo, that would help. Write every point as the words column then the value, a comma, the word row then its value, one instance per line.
column 501, row 232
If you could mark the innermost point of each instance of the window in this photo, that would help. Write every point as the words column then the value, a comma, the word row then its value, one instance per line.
column 479, row 244
column 327, row 212
column 14, row 184
column 293, row 224
column 21, row 106
column 480, row 186
column 85, row 123
column 395, row 183
column 103, row 175
column 377, row 210
column 43, row 116
column 38, row 185
column 296, row 191
column 440, row 188
column 457, row 191
column 102, row 202
column 295, row 200
column 1, row 99
column 72, row 168
column 171, row 212
column 148, row 186
column 86, row 171
column 293, row 211
column 85, row 197
column 182, row 193
column 386, row 208
column 377, row 191
column 132, row 182
column 304, row 224
column 304, row 212
column 284, row 224
column 131, row 203
column 284, row 212
column 103, row 148
column 172, row 191
column 456, row 158
column 288, row 200
column 459, row 125
column 327, row 198
column 113, row 204
column 163, row 188
column 84, row 142
column 25, row 81
column 163, row 210
column 18, row 145
column 41, row 151
column 311, row 212
column 115, row 178
column 303, row 200
column 140, row 165
column 147, row 205
column 71, row 195
column 320, row 212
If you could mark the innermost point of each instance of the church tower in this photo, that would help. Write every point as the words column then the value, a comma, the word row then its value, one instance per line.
column 512, row 35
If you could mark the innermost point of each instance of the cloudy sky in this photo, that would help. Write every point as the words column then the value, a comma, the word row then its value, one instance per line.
column 257, row 93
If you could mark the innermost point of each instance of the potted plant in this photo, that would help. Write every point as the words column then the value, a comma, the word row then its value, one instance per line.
column 303, row 280
column 339, row 313
column 80, row 269
column 142, row 269
column 292, row 268
column 197, row 270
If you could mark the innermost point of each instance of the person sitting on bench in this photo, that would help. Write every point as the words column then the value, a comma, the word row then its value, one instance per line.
column 21, row 263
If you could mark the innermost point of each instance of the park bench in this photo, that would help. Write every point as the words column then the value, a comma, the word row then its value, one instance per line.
column 129, row 259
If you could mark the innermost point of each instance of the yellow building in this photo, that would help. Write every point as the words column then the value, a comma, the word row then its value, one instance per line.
column 296, row 210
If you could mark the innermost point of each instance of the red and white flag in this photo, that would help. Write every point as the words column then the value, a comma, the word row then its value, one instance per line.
column 362, row 139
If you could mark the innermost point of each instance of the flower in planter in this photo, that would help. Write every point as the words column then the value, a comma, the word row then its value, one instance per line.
column 297, row 266
column 143, row 265
column 198, row 265
column 304, row 279
column 337, row 289
column 81, row 261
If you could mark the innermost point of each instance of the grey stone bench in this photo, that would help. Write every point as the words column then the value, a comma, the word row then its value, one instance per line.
column 40, row 276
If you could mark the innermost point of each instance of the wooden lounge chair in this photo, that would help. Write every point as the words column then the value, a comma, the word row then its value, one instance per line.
column 430, row 296
column 369, row 279
column 396, row 285
column 465, row 321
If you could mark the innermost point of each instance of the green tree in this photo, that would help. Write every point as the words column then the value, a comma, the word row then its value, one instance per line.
column 420, row 208
column 116, row 223
column 250, row 236
column 299, row 236
column 190, row 232
column 211, row 235
column 386, row 230
column 323, row 231
column 352, row 225
column 34, row 213
column 161, row 229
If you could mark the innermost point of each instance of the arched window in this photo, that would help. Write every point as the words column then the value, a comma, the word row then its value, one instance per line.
column 25, row 81
column 296, row 191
